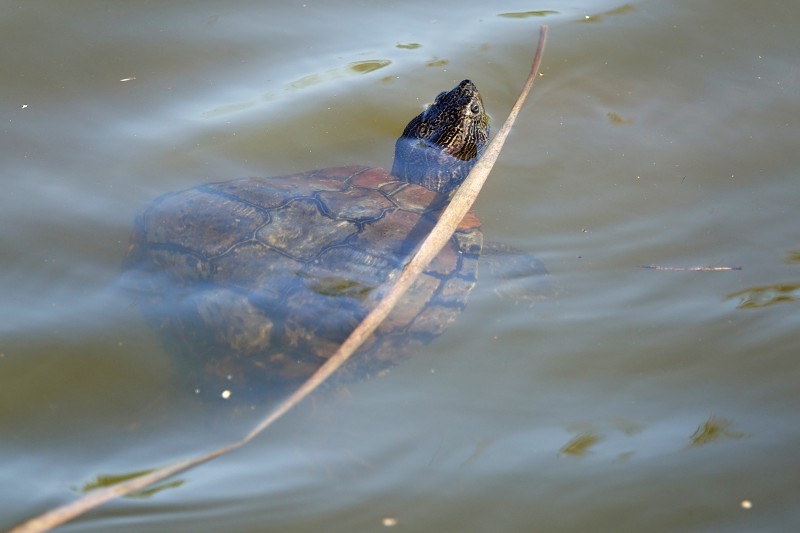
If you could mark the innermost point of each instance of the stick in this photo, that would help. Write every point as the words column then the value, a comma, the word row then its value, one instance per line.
column 460, row 203
column 692, row 269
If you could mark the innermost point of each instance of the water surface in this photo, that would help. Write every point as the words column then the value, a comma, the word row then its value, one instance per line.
column 631, row 399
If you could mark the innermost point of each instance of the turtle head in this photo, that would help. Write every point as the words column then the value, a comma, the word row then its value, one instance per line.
column 440, row 145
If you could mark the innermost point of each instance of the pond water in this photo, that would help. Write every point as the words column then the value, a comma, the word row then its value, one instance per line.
column 629, row 399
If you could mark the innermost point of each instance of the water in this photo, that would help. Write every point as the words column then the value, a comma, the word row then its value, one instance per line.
column 660, row 133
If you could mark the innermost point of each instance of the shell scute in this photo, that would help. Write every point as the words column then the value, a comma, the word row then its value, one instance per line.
column 355, row 204
column 418, row 199
column 253, row 267
column 298, row 229
column 202, row 222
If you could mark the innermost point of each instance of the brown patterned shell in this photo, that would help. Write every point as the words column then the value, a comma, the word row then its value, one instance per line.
column 256, row 281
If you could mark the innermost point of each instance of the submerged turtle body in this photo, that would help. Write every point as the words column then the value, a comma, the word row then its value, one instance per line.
column 256, row 281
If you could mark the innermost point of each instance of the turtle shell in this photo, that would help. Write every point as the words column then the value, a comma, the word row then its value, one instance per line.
column 255, row 282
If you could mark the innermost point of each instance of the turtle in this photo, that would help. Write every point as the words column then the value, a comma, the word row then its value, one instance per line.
column 254, row 282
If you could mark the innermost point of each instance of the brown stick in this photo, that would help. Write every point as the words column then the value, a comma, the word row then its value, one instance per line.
column 448, row 221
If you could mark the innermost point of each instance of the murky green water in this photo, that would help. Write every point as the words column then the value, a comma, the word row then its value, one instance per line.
column 661, row 133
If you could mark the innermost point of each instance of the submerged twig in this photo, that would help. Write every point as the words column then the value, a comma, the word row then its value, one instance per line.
column 459, row 205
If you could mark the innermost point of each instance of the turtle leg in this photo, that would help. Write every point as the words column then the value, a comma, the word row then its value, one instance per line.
column 518, row 274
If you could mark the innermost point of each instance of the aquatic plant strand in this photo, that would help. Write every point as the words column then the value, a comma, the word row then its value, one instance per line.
column 449, row 220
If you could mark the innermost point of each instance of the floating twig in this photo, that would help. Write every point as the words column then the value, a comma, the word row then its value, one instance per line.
column 693, row 269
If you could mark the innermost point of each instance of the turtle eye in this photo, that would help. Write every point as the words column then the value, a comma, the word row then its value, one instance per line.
column 475, row 108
